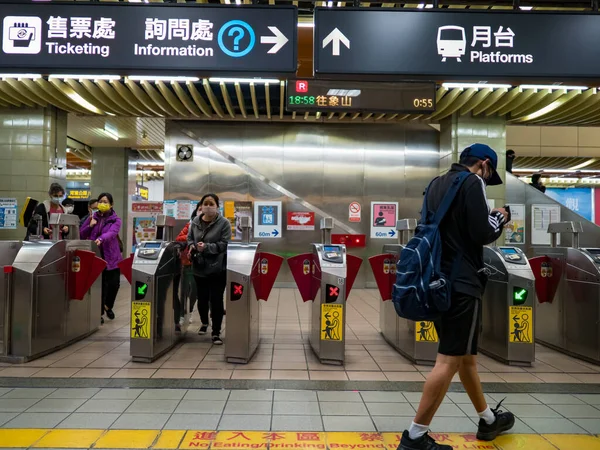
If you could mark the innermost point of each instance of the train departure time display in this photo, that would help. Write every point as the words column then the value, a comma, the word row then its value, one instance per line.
column 340, row 96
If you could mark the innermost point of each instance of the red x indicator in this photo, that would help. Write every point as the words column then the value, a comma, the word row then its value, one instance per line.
column 332, row 293
column 237, row 290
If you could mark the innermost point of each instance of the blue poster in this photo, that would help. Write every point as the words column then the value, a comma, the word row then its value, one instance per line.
column 578, row 200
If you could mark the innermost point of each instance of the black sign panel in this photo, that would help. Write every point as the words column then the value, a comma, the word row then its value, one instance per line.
column 105, row 38
column 466, row 45
column 323, row 95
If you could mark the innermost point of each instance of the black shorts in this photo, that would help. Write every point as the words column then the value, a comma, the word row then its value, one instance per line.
column 458, row 328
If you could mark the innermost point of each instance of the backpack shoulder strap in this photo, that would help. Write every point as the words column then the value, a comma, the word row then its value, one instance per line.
column 450, row 196
column 424, row 210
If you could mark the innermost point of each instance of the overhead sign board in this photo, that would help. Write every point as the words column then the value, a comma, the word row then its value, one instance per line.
column 128, row 38
column 340, row 96
column 456, row 44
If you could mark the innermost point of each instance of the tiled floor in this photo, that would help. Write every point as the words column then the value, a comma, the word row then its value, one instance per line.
column 264, row 410
column 284, row 353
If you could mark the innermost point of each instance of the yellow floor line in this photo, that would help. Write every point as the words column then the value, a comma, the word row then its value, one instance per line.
column 255, row 440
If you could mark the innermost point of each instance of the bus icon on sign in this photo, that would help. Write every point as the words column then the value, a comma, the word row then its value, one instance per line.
column 451, row 42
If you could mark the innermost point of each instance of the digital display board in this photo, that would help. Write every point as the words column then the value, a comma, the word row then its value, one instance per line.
column 355, row 96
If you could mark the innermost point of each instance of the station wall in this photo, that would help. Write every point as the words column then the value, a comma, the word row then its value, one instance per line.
column 554, row 141
column 307, row 167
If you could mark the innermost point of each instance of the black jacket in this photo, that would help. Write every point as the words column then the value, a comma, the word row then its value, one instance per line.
column 467, row 227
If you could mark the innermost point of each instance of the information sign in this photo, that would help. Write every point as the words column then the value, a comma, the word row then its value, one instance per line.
column 384, row 216
column 267, row 220
column 8, row 213
column 124, row 38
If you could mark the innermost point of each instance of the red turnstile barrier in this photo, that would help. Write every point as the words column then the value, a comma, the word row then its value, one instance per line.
column 384, row 271
column 353, row 264
column 547, row 272
column 300, row 266
column 86, row 267
column 265, row 271
column 126, row 267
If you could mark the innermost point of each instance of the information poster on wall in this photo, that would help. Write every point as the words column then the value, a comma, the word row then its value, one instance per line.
column 300, row 221
column 144, row 229
column 153, row 207
column 8, row 213
column 170, row 208
column 234, row 211
column 384, row 216
column 541, row 217
column 267, row 220
column 578, row 200
column 515, row 230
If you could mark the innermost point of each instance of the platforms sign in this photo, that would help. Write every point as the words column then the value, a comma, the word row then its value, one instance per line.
column 458, row 44
column 162, row 38
column 384, row 216
column 267, row 220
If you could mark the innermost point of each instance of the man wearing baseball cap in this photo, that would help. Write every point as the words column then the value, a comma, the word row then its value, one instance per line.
column 466, row 228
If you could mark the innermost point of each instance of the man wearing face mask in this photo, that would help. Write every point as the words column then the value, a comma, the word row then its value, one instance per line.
column 68, row 205
column 207, row 239
column 466, row 228
column 44, row 209
column 92, row 209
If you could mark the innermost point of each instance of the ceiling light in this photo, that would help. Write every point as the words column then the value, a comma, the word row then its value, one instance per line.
column 83, row 102
column 584, row 164
column 552, row 87
column 244, row 80
column 421, row 5
column 526, row 8
column 330, row 4
column 306, row 24
column 476, row 86
column 111, row 131
column 86, row 77
column 161, row 78
column 28, row 76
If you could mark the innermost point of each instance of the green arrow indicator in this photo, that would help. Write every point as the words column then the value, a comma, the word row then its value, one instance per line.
column 142, row 289
column 519, row 295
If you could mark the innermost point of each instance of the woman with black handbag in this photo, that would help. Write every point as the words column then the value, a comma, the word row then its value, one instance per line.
column 207, row 239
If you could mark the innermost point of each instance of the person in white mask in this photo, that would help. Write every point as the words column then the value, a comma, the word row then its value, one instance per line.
column 207, row 239
column 68, row 205
column 52, row 205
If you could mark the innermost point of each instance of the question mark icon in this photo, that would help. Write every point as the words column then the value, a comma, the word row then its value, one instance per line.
column 239, row 34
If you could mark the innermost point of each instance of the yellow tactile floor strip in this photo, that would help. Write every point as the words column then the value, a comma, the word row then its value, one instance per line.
column 251, row 440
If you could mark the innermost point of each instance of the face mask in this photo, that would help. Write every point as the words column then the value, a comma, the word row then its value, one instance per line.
column 209, row 210
column 103, row 207
column 55, row 199
column 69, row 209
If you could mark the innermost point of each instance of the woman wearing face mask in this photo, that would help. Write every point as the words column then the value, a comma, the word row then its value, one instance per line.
column 44, row 209
column 207, row 239
column 68, row 205
column 103, row 228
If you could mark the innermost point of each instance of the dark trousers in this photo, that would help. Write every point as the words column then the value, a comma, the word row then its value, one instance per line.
column 111, row 281
column 210, row 292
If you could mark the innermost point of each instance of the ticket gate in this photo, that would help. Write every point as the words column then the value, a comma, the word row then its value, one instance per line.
column 155, row 306
column 417, row 341
column 251, row 275
column 325, row 276
column 51, row 293
column 567, row 282
column 508, row 307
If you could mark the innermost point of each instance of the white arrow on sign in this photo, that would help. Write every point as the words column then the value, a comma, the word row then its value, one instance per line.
column 278, row 39
column 335, row 38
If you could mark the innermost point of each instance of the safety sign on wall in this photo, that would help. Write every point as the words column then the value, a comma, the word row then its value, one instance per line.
column 520, row 328
column 332, row 322
column 384, row 216
column 515, row 230
column 8, row 213
column 354, row 212
column 267, row 220
column 425, row 332
column 140, row 320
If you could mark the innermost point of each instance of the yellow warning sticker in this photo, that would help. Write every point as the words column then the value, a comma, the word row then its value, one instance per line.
column 198, row 439
column 425, row 332
column 299, row 440
column 332, row 322
column 355, row 440
column 140, row 320
column 520, row 328
column 227, row 440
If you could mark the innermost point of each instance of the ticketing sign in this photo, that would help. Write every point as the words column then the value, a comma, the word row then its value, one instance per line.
column 126, row 38
column 340, row 96
column 456, row 44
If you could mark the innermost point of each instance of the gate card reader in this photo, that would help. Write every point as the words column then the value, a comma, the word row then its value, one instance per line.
column 333, row 256
column 508, row 307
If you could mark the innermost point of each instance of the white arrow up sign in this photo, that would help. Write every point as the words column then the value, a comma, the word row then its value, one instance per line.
column 278, row 39
column 335, row 38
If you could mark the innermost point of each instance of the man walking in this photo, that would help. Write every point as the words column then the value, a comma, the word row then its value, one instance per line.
column 466, row 228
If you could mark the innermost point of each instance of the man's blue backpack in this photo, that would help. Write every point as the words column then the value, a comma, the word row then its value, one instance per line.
column 422, row 291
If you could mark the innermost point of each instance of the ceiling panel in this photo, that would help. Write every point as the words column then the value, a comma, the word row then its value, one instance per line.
column 142, row 133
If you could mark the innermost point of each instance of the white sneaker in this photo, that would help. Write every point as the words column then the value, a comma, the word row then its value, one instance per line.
column 191, row 320
column 181, row 321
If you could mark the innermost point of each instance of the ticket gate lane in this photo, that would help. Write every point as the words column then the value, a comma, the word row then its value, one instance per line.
column 508, row 307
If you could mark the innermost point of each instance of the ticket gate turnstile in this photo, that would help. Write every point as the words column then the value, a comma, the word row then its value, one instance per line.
column 508, row 307
column 568, row 291
column 417, row 341
column 251, row 275
column 156, row 309
column 51, row 293
column 325, row 276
